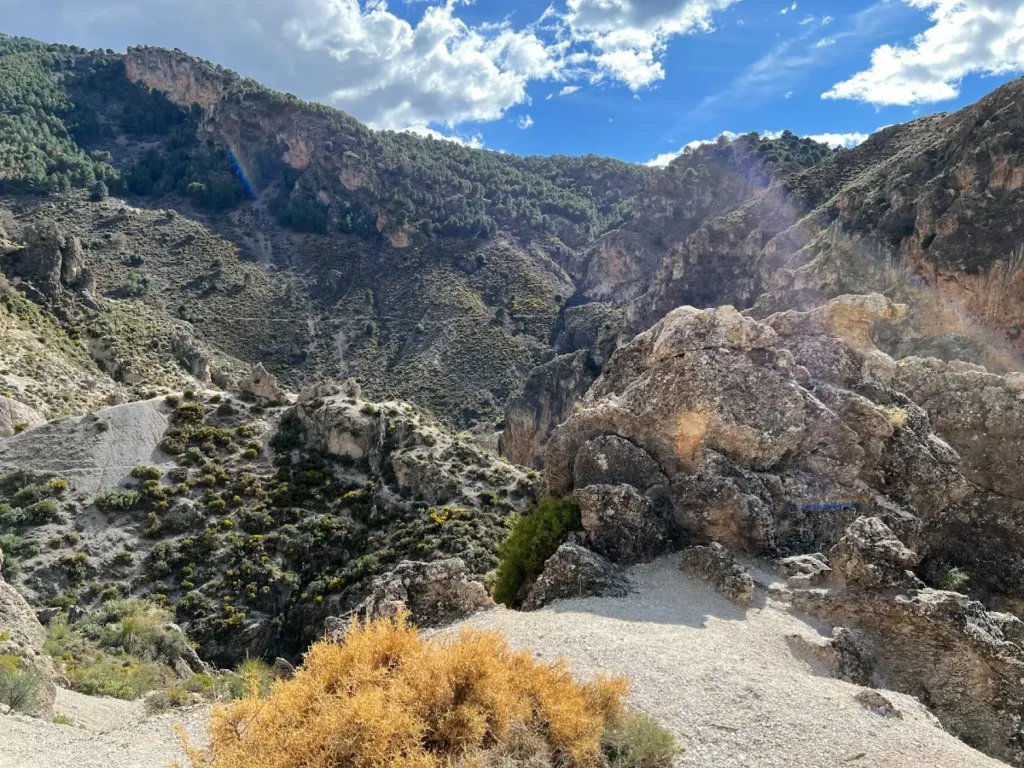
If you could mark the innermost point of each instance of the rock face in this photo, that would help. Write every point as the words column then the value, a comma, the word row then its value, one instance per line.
column 620, row 523
column 22, row 635
column 942, row 647
column 49, row 261
column 870, row 556
column 574, row 571
column 259, row 383
column 16, row 417
column 433, row 594
column 771, row 437
column 715, row 565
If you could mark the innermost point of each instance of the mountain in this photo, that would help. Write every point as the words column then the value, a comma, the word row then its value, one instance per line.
column 432, row 271
column 257, row 357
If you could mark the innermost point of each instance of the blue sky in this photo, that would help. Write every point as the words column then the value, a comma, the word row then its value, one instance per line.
column 633, row 79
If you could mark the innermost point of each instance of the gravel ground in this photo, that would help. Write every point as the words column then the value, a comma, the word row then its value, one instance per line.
column 724, row 680
column 727, row 682
column 106, row 734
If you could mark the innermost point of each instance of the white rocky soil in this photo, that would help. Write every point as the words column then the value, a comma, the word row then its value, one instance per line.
column 727, row 681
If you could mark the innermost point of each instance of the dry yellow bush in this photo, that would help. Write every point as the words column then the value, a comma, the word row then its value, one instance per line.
column 384, row 696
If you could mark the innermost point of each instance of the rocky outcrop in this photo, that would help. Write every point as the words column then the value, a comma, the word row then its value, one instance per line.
column 716, row 566
column 49, row 261
column 16, row 417
column 194, row 356
column 964, row 662
column 979, row 414
column 546, row 401
column 760, row 453
column 259, row 383
column 621, row 523
column 870, row 556
column 574, row 571
column 396, row 440
column 184, row 79
column 22, row 635
column 433, row 594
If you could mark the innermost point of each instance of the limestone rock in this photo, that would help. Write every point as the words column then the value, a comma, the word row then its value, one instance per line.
column 282, row 669
column 434, row 594
column 806, row 570
column 574, row 571
column 262, row 384
column 22, row 636
column 714, row 564
column 941, row 647
column 611, row 460
column 620, row 523
column 870, row 556
column 16, row 417
column 192, row 355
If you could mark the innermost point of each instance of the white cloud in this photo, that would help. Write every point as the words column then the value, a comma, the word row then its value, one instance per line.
column 826, row 20
column 789, row 94
column 787, row 9
column 440, row 71
column 808, row 19
column 966, row 37
column 832, row 139
column 524, row 122
column 476, row 141
column 825, row 42
column 847, row 140
column 627, row 37
column 568, row 90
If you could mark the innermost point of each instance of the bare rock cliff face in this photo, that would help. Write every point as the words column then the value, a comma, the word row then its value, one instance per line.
column 184, row 79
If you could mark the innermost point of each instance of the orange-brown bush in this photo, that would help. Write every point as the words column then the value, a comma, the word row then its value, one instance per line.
column 384, row 696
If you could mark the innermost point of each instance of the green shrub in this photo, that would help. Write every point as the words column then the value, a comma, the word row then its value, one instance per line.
column 534, row 538
column 117, row 500
column 41, row 512
column 20, row 686
column 953, row 580
column 146, row 473
column 636, row 740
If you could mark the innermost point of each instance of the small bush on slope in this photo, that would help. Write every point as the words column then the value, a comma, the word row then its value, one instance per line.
column 20, row 685
column 534, row 538
column 384, row 696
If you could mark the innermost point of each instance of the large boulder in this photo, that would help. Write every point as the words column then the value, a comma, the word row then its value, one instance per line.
column 433, row 594
column 22, row 636
column 574, row 571
column 16, row 417
column 870, row 556
column 772, row 436
column 611, row 460
column 714, row 564
column 259, row 383
column 620, row 523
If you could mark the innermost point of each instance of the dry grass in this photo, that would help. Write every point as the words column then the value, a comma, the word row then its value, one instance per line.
column 384, row 696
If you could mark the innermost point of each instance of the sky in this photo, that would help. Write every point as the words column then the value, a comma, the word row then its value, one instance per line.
column 632, row 79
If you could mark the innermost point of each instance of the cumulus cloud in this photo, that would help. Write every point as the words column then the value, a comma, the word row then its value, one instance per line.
column 966, row 37
column 440, row 70
column 627, row 37
column 825, row 42
column 808, row 19
column 847, row 140
column 476, row 141
column 787, row 9
column 524, row 122
column 568, row 90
